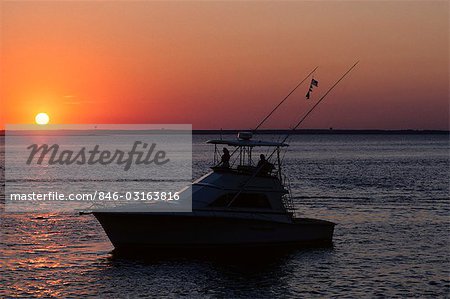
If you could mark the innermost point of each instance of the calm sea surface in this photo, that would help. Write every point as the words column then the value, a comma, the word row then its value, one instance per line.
column 389, row 195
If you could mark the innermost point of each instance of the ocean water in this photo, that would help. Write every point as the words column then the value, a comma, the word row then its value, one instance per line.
column 388, row 194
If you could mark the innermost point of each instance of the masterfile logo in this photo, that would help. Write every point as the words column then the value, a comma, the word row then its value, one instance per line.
column 84, row 167
column 53, row 155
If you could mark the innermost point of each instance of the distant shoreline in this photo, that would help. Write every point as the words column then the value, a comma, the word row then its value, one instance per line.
column 319, row 132
column 327, row 132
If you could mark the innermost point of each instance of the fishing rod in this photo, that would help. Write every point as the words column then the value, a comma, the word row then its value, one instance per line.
column 277, row 106
column 258, row 169
column 282, row 101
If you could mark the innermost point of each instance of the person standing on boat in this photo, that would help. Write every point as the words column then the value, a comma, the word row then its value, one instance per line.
column 264, row 166
column 225, row 160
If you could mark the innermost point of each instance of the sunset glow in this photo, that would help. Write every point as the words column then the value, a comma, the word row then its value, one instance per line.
column 226, row 64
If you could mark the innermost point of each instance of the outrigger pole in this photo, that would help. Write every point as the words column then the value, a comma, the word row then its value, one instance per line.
column 293, row 129
column 274, row 109
column 318, row 102
column 285, row 98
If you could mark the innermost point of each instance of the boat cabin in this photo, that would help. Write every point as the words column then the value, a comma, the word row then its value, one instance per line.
column 242, row 183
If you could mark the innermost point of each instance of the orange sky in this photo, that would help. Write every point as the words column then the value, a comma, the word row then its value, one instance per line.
column 225, row 64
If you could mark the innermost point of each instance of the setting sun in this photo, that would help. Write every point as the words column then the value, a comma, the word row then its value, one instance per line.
column 42, row 118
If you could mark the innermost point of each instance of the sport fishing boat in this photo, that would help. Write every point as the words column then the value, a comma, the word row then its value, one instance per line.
column 234, row 206
column 239, row 206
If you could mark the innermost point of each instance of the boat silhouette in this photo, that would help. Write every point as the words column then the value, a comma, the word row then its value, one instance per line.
column 237, row 206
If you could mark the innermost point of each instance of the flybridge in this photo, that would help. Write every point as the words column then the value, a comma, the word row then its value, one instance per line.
column 244, row 139
column 250, row 143
column 244, row 148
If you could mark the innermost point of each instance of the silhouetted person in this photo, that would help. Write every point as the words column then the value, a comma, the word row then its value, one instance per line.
column 225, row 160
column 264, row 166
column 262, row 161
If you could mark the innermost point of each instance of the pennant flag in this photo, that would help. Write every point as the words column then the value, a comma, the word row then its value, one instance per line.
column 313, row 83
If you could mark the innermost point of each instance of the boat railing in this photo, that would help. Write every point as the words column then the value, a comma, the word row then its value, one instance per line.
column 247, row 169
column 287, row 198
